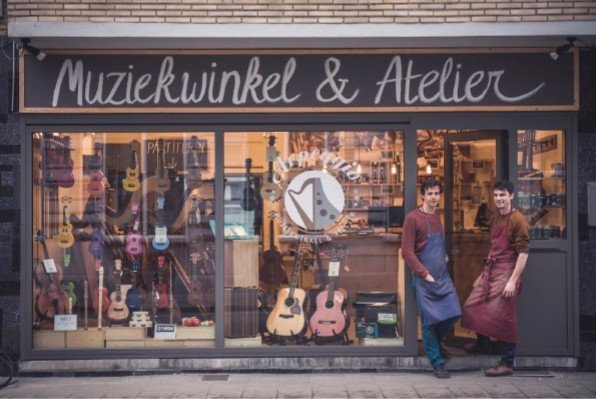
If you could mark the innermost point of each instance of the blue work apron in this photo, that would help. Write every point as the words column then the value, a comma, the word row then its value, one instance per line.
column 437, row 301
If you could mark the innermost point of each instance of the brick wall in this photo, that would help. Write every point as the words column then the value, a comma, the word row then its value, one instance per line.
column 299, row 11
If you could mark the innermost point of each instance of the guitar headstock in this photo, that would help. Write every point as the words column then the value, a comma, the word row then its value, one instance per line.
column 248, row 165
column 272, row 140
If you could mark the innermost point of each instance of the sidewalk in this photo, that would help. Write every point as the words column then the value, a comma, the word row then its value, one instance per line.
column 540, row 384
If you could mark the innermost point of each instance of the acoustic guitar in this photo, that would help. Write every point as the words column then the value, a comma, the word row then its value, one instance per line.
column 330, row 319
column 131, row 182
column 287, row 318
column 270, row 191
column 117, row 311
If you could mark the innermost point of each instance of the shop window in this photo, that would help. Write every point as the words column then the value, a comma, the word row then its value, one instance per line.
column 541, row 182
column 123, row 255
column 312, row 244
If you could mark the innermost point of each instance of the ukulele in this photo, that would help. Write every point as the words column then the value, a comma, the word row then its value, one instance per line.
column 133, row 295
column 65, row 239
column 134, row 246
column 287, row 318
column 117, row 311
column 96, row 186
column 160, row 240
column 195, row 289
column 193, row 179
column 131, row 182
column 163, row 182
column 161, row 288
column 272, row 272
column 330, row 319
column 249, row 202
column 100, row 300
column 63, row 172
column 270, row 191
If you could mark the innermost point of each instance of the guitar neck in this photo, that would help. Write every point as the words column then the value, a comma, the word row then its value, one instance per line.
column 331, row 287
column 295, row 272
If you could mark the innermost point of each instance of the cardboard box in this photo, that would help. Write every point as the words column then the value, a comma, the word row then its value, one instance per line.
column 241, row 260
column 84, row 339
column 125, row 333
column 49, row 339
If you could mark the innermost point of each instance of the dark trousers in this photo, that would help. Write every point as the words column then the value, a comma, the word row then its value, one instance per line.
column 507, row 349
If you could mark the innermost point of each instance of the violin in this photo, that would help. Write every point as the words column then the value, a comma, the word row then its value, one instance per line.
column 51, row 299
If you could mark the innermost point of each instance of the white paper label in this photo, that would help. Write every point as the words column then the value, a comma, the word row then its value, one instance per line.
column 49, row 265
column 333, row 269
column 65, row 322
column 387, row 318
column 165, row 331
column 161, row 234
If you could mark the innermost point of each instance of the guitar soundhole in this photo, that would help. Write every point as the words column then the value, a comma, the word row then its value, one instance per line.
column 329, row 304
column 289, row 302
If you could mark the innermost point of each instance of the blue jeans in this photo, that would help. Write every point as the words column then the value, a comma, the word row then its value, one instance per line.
column 507, row 349
column 432, row 336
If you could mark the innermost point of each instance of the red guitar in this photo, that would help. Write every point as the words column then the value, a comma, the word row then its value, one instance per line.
column 161, row 287
column 330, row 319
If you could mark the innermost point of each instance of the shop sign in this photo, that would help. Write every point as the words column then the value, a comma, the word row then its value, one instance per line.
column 165, row 331
column 65, row 322
column 299, row 81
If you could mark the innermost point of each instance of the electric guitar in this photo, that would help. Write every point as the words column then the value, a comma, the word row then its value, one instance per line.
column 117, row 311
column 161, row 287
column 160, row 240
column 330, row 319
column 133, row 295
column 131, row 182
column 65, row 239
column 193, row 179
column 270, row 191
column 249, row 202
column 287, row 318
column 134, row 246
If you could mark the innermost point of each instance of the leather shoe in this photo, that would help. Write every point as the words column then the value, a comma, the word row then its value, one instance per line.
column 474, row 348
column 441, row 372
column 498, row 371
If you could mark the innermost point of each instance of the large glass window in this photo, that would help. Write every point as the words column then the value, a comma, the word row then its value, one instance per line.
column 541, row 176
column 312, row 222
column 123, row 255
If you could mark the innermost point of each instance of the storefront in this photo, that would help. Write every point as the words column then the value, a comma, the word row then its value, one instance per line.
column 250, row 203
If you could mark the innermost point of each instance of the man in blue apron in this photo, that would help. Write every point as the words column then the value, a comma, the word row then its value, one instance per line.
column 423, row 249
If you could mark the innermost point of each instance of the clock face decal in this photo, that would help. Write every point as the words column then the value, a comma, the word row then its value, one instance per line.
column 314, row 201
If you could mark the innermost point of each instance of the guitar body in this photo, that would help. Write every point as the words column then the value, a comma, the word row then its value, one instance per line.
column 96, row 247
column 96, row 186
column 330, row 318
column 131, row 182
column 134, row 301
column 162, row 296
column 249, row 203
column 117, row 310
column 63, row 176
column 287, row 318
column 65, row 239
column 160, row 241
column 195, row 293
column 270, row 191
column 133, row 246
column 272, row 273
column 68, row 287
column 105, row 301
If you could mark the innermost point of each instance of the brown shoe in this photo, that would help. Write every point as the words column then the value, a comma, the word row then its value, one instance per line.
column 498, row 371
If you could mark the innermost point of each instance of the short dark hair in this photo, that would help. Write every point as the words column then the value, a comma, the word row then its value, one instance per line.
column 504, row 185
column 430, row 183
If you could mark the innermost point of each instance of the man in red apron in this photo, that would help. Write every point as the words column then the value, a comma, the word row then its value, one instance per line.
column 490, row 310
column 424, row 252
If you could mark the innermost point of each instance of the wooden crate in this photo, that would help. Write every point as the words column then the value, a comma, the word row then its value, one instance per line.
column 195, row 333
column 125, row 333
column 243, row 342
column 241, row 260
column 83, row 339
column 125, row 344
column 49, row 339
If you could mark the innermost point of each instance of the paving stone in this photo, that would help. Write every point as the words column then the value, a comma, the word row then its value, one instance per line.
column 572, row 390
column 262, row 392
column 433, row 391
column 363, row 393
column 399, row 392
column 468, row 391
column 329, row 394
column 502, row 389
column 536, row 391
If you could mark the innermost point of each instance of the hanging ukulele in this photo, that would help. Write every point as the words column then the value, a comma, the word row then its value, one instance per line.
column 193, row 179
column 270, row 191
column 63, row 173
column 131, row 182
column 65, row 239
column 134, row 245
column 160, row 240
column 133, row 295
column 249, row 202
column 117, row 311
column 96, row 185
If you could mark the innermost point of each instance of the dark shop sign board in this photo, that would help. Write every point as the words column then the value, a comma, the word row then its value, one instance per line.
column 299, row 81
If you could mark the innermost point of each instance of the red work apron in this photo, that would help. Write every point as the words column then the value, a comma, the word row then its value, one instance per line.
column 486, row 310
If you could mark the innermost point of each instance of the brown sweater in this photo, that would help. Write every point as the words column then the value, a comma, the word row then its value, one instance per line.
column 414, row 239
column 519, row 235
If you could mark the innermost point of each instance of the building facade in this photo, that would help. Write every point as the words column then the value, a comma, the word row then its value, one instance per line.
column 172, row 154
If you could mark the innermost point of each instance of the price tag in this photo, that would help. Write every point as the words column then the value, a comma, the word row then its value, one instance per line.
column 65, row 322
column 333, row 269
column 49, row 265
column 165, row 331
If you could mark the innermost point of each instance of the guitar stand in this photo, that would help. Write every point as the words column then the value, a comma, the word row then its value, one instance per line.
column 273, row 339
column 342, row 338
